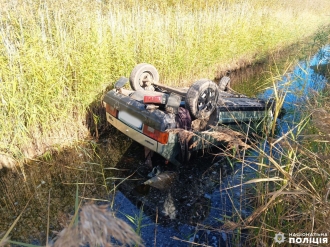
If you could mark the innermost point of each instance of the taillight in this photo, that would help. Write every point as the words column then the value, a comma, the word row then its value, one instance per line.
column 111, row 110
column 159, row 99
column 157, row 135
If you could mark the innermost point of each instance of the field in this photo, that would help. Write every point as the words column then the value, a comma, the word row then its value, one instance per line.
column 57, row 57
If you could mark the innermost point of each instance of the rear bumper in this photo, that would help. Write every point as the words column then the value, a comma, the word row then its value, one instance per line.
column 172, row 151
column 132, row 133
column 154, row 119
column 169, row 151
column 231, row 110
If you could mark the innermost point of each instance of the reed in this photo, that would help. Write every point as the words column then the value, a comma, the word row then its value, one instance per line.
column 53, row 180
column 57, row 57
column 290, row 189
column 96, row 228
column 297, row 202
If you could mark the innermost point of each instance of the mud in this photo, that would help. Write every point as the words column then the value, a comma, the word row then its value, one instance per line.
column 100, row 172
column 109, row 169
column 182, row 198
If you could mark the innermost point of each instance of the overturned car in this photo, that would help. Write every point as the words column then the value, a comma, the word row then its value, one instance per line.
column 174, row 122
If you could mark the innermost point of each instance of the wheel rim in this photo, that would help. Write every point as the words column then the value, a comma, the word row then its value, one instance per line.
column 205, row 100
column 145, row 79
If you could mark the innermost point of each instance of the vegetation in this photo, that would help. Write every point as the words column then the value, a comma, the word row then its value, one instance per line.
column 57, row 57
column 293, row 191
column 46, row 200
column 290, row 188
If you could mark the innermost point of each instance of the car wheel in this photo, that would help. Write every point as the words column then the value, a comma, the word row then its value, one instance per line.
column 201, row 98
column 142, row 77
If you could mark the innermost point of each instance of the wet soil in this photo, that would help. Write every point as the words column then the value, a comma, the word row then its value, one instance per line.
column 183, row 197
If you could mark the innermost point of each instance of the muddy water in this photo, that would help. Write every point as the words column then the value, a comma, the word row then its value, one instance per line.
column 110, row 171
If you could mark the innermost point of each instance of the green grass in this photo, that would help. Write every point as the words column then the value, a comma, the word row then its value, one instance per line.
column 57, row 57
column 291, row 190
column 52, row 182
column 299, row 201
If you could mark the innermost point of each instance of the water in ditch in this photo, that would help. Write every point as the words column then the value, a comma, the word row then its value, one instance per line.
column 205, row 192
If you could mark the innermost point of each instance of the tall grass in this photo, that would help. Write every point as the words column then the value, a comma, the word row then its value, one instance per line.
column 98, row 227
column 53, row 180
column 57, row 57
column 297, row 201
column 290, row 189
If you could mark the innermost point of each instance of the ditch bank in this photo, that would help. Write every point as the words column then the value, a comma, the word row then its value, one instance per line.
column 204, row 195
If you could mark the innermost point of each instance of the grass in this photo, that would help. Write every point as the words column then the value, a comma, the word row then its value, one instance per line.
column 56, row 58
column 290, row 191
column 53, row 180
column 298, row 200
column 96, row 227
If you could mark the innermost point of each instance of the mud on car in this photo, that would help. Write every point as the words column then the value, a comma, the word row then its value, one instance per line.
column 174, row 122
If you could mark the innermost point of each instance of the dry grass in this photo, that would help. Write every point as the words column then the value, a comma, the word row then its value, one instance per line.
column 4, row 242
column 97, row 227
column 296, row 203
column 321, row 115
column 291, row 191
column 57, row 172
column 321, row 120
column 7, row 161
column 58, row 56
column 233, row 139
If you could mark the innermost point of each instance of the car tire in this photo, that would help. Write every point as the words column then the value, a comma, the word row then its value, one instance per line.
column 141, row 72
column 201, row 98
